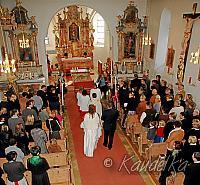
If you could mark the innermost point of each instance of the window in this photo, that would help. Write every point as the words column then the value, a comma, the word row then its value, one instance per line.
column 99, row 34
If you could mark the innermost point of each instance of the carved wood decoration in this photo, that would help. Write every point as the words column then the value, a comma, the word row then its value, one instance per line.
column 170, row 57
column 130, row 32
column 190, row 18
column 20, row 40
column 74, row 34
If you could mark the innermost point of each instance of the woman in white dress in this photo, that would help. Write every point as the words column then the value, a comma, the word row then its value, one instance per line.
column 95, row 101
column 92, row 131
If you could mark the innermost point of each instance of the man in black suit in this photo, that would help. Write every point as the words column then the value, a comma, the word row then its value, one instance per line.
column 109, row 116
column 15, row 170
column 193, row 170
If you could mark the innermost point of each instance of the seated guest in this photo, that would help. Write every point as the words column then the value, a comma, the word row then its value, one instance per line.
column 177, row 109
column 169, row 125
column 13, row 147
column 54, row 147
column 190, row 147
column 193, row 170
column 39, row 136
column 54, row 127
column 176, row 134
column 38, row 167
column 173, row 162
column 14, row 169
column 14, row 120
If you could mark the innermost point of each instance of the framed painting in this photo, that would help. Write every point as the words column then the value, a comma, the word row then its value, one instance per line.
column 129, row 45
column 152, row 50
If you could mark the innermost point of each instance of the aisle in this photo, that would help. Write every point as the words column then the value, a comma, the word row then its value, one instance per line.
column 100, row 170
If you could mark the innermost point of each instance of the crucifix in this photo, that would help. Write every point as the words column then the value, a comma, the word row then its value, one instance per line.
column 190, row 19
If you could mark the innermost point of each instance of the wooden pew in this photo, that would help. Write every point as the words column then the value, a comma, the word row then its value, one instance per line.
column 53, row 159
column 155, row 149
column 2, row 161
column 60, row 175
column 178, row 179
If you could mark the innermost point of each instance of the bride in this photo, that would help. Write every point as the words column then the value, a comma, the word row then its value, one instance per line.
column 92, row 131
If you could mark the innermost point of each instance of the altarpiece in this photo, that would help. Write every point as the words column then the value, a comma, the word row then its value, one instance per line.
column 74, row 39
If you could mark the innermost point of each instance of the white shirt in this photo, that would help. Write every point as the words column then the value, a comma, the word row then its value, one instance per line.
column 84, row 103
column 142, row 117
column 97, row 91
column 177, row 110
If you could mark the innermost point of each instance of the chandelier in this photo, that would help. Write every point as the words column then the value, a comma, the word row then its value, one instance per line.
column 24, row 43
column 195, row 57
column 7, row 66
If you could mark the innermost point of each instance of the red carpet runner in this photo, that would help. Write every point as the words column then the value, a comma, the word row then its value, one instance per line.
column 93, row 170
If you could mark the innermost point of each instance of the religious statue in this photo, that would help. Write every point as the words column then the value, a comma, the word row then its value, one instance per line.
column 73, row 32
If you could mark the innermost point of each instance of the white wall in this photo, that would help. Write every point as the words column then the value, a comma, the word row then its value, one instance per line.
column 44, row 10
column 177, row 8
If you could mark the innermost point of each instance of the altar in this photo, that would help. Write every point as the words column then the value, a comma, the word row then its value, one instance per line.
column 69, row 64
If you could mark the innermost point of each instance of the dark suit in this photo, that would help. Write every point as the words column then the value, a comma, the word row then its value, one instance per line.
column 15, row 170
column 109, row 117
column 192, row 174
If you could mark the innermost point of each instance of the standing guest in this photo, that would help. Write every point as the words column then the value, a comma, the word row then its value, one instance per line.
column 147, row 116
column 164, row 116
column 186, row 123
column 13, row 103
column 151, row 134
column 2, row 182
column 168, row 103
column 135, row 83
column 29, row 115
column 43, row 94
column 14, row 120
column 53, row 100
column 160, row 132
column 84, row 103
column 109, row 116
column 163, row 87
column 193, row 170
column 54, row 127
column 102, row 84
column 38, row 101
column 5, row 136
column 38, row 167
column 153, row 97
column 176, row 134
column 177, row 109
column 143, row 86
column 169, row 125
column 190, row 105
column 13, row 147
column 91, row 126
column 141, row 106
column 44, row 115
column 157, row 104
column 22, row 101
column 4, row 115
column 39, row 136
column 15, row 170
column 21, row 138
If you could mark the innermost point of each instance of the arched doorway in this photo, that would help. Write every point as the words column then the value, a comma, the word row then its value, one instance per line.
column 102, row 37
column 162, row 41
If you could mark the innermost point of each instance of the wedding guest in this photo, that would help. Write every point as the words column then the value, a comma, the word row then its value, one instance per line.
column 38, row 167
column 38, row 101
column 177, row 109
column 160, row 132
column 14, row 169
column 39, row 136
column 84, row 103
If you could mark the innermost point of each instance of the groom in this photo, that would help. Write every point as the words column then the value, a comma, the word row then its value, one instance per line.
column 109, row 117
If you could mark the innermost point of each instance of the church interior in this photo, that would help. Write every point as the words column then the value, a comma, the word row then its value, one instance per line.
column 99, row 92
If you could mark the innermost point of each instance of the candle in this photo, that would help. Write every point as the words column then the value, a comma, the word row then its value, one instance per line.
column 190, row 80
